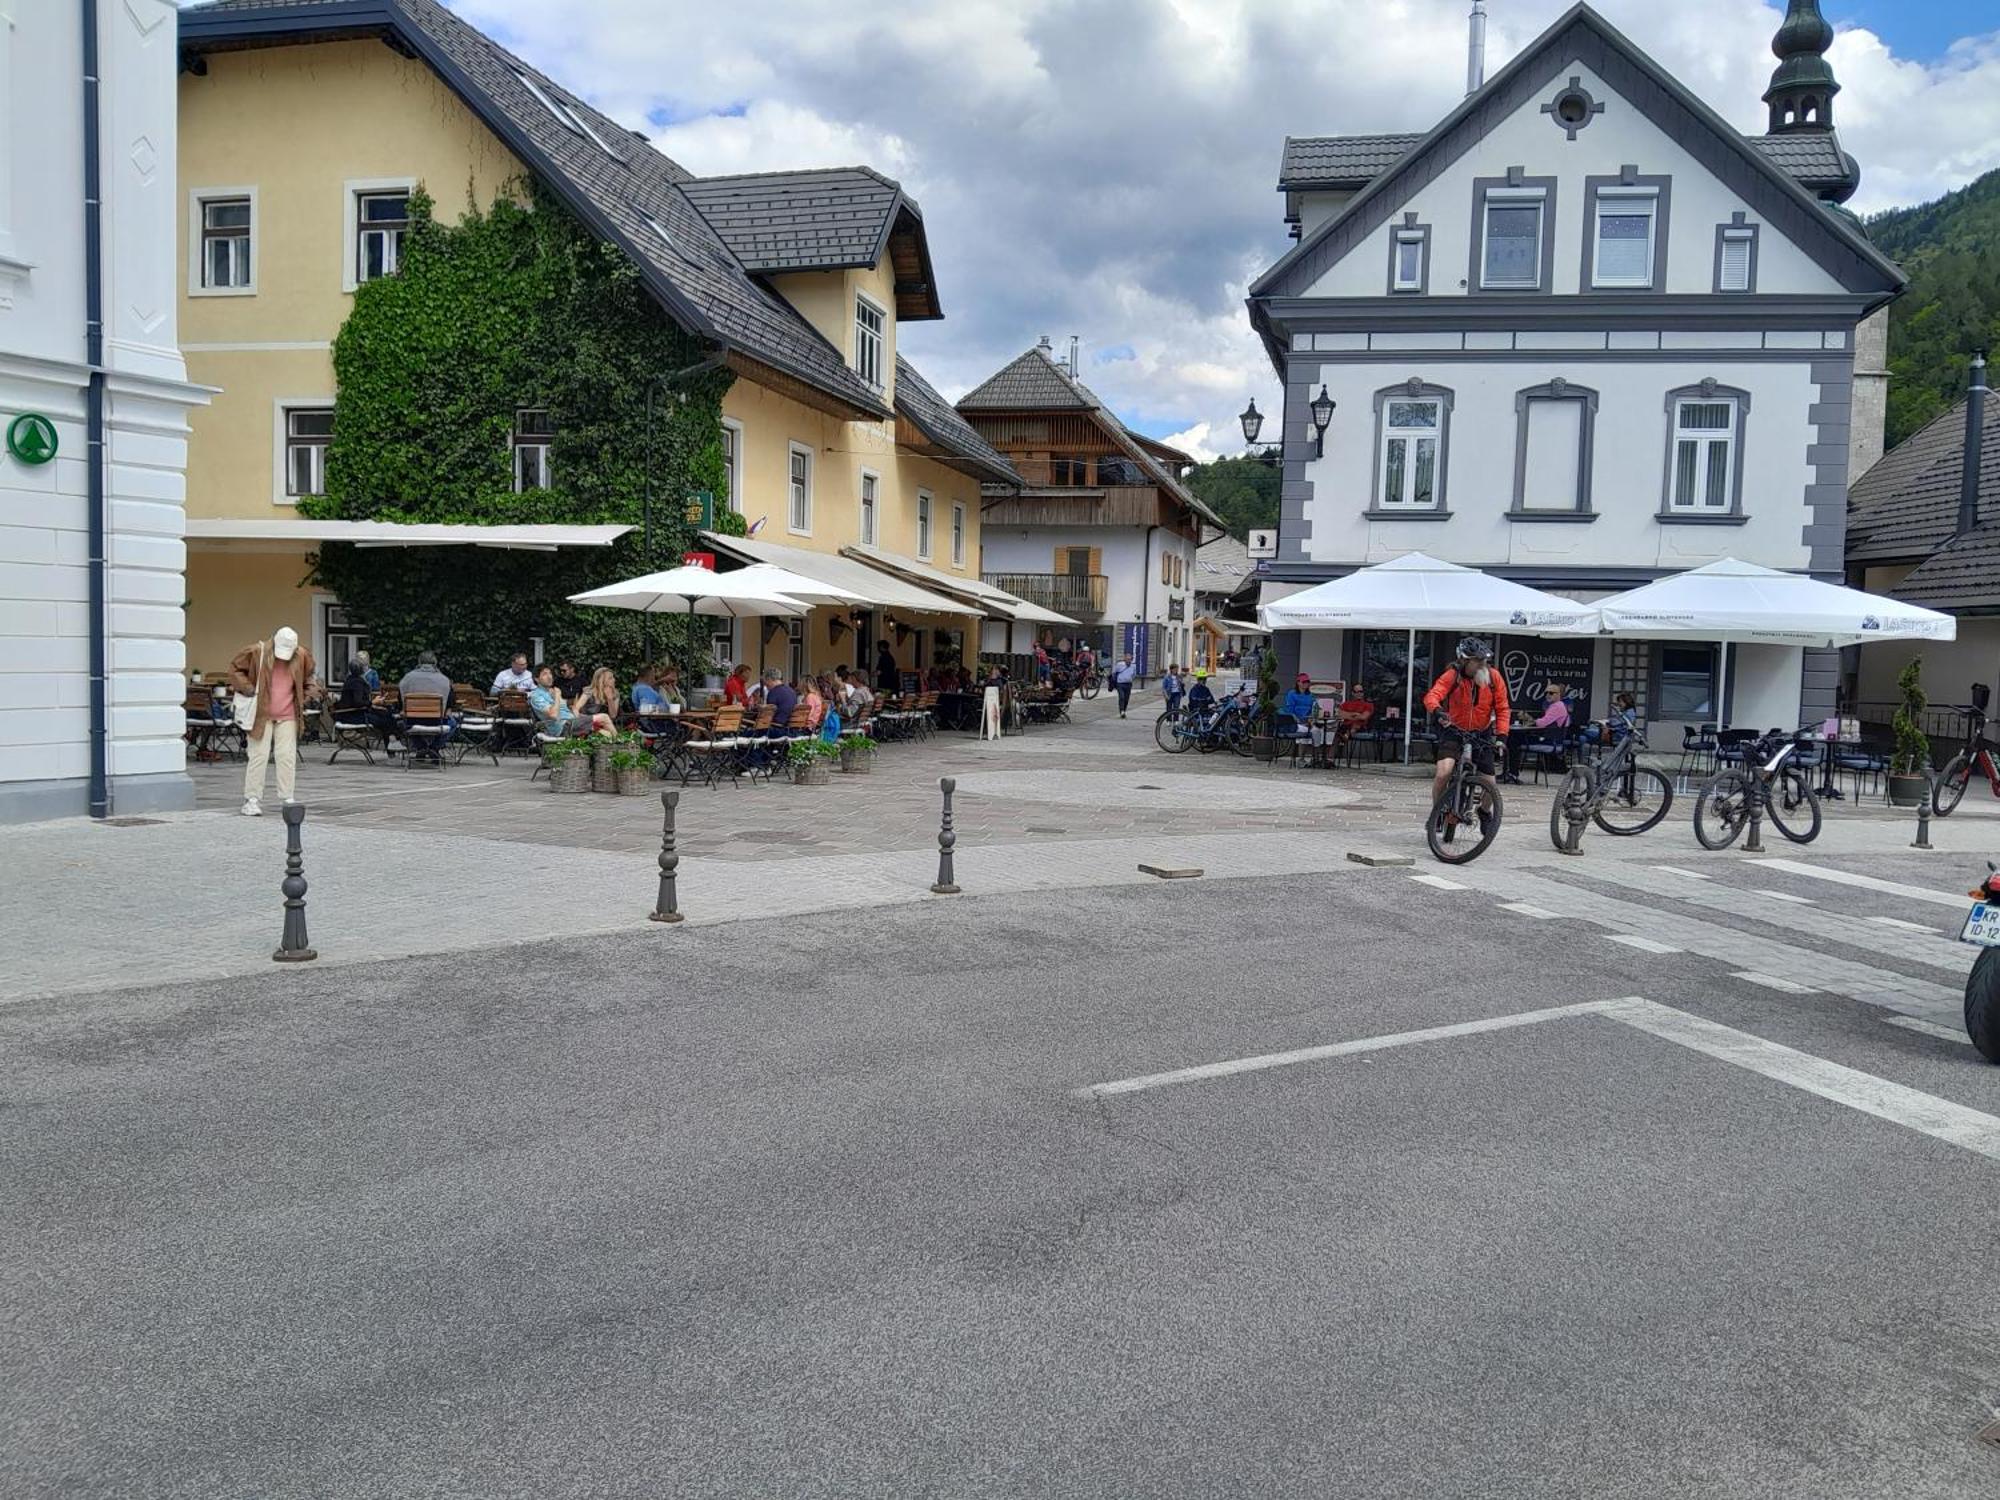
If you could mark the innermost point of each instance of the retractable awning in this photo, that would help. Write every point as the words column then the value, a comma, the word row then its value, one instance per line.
column 284, row 535
column 873, row 585
column 996, row 602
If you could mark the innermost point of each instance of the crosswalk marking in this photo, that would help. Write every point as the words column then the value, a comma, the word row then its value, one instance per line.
column 1787, row 896
column 1677, row 870
column 1438, row 882
column 1774, row 982
column 1539, row 913
column 1898, row 922
column 1866, row 882
column 1928, row 1028
column 1643, row 944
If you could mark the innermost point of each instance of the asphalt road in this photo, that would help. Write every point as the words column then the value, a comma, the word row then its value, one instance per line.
column 815, row 1209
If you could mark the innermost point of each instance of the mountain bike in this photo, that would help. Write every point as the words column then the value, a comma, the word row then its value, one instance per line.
column 1615, row 792
column 1768, row 782
column 1217, row 726
column 1465, row 818
column 1977, row 755
column 1088, row 684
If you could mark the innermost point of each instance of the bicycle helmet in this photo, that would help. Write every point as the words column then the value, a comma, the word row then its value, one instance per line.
column 1472, row 648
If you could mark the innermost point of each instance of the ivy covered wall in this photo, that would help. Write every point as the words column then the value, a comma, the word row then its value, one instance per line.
column 516, row 306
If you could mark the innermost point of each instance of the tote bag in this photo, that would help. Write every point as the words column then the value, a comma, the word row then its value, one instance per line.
column 243, row 707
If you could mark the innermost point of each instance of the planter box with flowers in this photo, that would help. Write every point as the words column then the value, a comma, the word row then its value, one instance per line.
column 569, row 765
column 631, row 770
column 810, row 761
column 611, row 753
column 857, row 755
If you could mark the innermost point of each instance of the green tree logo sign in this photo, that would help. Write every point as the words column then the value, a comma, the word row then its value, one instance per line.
column 31, row 437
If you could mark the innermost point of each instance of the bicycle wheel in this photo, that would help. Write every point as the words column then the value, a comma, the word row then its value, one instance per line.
column 1794, row 806
column 1089, row 687
column 1572, row 804
column 1463, row 822
column 1169, row 736
column 1636, row 801
column 1722, row 810
column 1248, row 729
column 1951, row 785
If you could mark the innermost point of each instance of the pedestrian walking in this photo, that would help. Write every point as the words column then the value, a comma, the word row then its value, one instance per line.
column 272, row 676
column 1123, row 677
column 1171, row 686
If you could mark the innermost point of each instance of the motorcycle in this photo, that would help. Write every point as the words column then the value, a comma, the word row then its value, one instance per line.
column 1982, row 986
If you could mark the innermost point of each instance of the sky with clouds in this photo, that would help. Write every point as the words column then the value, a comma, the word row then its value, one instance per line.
column 1107, row 168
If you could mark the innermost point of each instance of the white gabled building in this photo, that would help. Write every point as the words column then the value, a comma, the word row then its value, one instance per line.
column 91, row 556
column 1581, row 334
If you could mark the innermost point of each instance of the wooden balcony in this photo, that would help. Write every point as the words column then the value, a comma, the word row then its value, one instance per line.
column 1084, row 471
column 1078, row 595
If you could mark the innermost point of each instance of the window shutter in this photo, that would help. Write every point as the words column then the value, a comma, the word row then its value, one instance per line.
column 1735, row 263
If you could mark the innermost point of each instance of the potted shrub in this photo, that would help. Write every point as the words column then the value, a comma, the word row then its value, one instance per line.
column 1263, row 726
column 808, row 760
column 604, row 750
column 857, row 755
column 631, row 770
column 1911, row 759
column 569, row 765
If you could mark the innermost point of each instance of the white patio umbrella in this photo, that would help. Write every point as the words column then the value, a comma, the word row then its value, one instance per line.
column 1731, row 601
column 1417, row 592
column 697, row 591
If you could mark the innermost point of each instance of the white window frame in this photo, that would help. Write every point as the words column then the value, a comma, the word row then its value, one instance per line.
column 198, row 198
column 1398, row 282
column 281, row 444
column 868, row 497
column 1506, row 197
column 732, row 463
column 353, row 191
column 1623, row 202
column 958, row 534
column 1728, row 435
column 1411, row 435
column 1743, row 235
column 875, row 340
column 925, row 510
column 794, row 452
column 541, row 443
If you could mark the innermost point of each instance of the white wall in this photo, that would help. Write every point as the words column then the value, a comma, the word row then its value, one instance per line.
column 44, row 579
column 1130, row 559
column 1528, row 139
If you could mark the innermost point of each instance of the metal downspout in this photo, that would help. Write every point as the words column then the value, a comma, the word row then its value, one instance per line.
column 93, row 266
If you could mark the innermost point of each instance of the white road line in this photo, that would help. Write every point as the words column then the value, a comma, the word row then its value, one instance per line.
column 1898, row 922
column 1908, row 1107
column 1438, row 882
column 1774, row 982
column 1866, row 882
column 1539, row 913
column 1339, row 1049
column 1786, row 896
column 1643, row 944
column 1929, row 1028
column 1677, row 870
column 456, row 786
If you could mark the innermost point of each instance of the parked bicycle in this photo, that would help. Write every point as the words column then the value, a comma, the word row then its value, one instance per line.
column 1949, row 789
column 1613, row 791
column 1769, row 783
column 1088, row 684
column 1465, row 819
column 1224, row 725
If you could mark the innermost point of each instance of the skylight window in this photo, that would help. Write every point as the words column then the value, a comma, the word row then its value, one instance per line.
column 565, row 116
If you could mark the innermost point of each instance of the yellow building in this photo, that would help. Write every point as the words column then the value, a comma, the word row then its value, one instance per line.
column 304, row 131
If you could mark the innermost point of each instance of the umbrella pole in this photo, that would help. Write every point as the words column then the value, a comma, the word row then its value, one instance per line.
column 1721, row 684
column 1409, row 692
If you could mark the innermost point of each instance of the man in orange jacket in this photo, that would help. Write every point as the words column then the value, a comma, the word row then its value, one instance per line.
column 1471, row 697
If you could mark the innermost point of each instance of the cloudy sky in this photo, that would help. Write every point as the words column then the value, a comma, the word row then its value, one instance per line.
column 1106, row 168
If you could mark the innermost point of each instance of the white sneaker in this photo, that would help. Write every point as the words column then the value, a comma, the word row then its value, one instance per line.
column 251, row 809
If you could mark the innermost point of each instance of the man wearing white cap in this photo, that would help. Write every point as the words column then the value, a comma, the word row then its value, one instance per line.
column 273, row 674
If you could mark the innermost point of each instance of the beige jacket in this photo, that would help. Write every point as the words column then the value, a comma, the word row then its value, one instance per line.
column 244, row 678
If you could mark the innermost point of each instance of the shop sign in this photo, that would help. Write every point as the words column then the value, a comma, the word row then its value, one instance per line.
column 1531, row 663
column 698, row 560
column 31, row 438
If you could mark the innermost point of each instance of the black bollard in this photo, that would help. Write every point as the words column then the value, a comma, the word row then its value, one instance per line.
column 1755, row 843
column 293, row 948
column 947, row 884
column 668, row 907
column 1923, row 839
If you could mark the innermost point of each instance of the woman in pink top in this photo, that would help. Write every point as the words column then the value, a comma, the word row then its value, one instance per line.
column 1552, row 725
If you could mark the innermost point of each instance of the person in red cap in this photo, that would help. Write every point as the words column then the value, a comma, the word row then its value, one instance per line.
column 1299, row 702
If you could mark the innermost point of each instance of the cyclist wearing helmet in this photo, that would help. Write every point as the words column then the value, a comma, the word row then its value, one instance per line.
column 1468, row 697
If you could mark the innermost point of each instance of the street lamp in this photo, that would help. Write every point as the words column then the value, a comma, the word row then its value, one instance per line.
column 1253, row 422
column 1322, row 418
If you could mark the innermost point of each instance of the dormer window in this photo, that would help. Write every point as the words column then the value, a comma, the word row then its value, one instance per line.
column 869, row 321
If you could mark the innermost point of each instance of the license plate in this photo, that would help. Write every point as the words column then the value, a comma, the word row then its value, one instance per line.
column 1982, row 925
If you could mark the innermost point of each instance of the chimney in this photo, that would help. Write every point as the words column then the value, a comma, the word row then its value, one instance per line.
column 1072, row 356
column 1475, row 50
column 1975, row 433
column 1044, row 345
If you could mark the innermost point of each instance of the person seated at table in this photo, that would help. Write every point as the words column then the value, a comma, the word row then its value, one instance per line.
column 736, row 687
column 781, row 696
column 1617, row 726
column 646, row 699
column 859, row 698
column 425, row 677
column 553, row 715
column 1552, row 725
column 1201, row 696
column 809, row 695
column 668, row 682
column 569, row 681
column 598, row 707
column 514, row 677
column 374, row 677
column 1299, row 702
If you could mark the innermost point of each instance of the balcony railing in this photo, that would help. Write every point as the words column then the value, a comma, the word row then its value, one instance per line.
column 1078, row 595
column 1080, row 473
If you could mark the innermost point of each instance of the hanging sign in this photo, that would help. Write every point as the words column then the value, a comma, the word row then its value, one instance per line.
column 701, row 509
column 31, row 438
column 698, row 560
